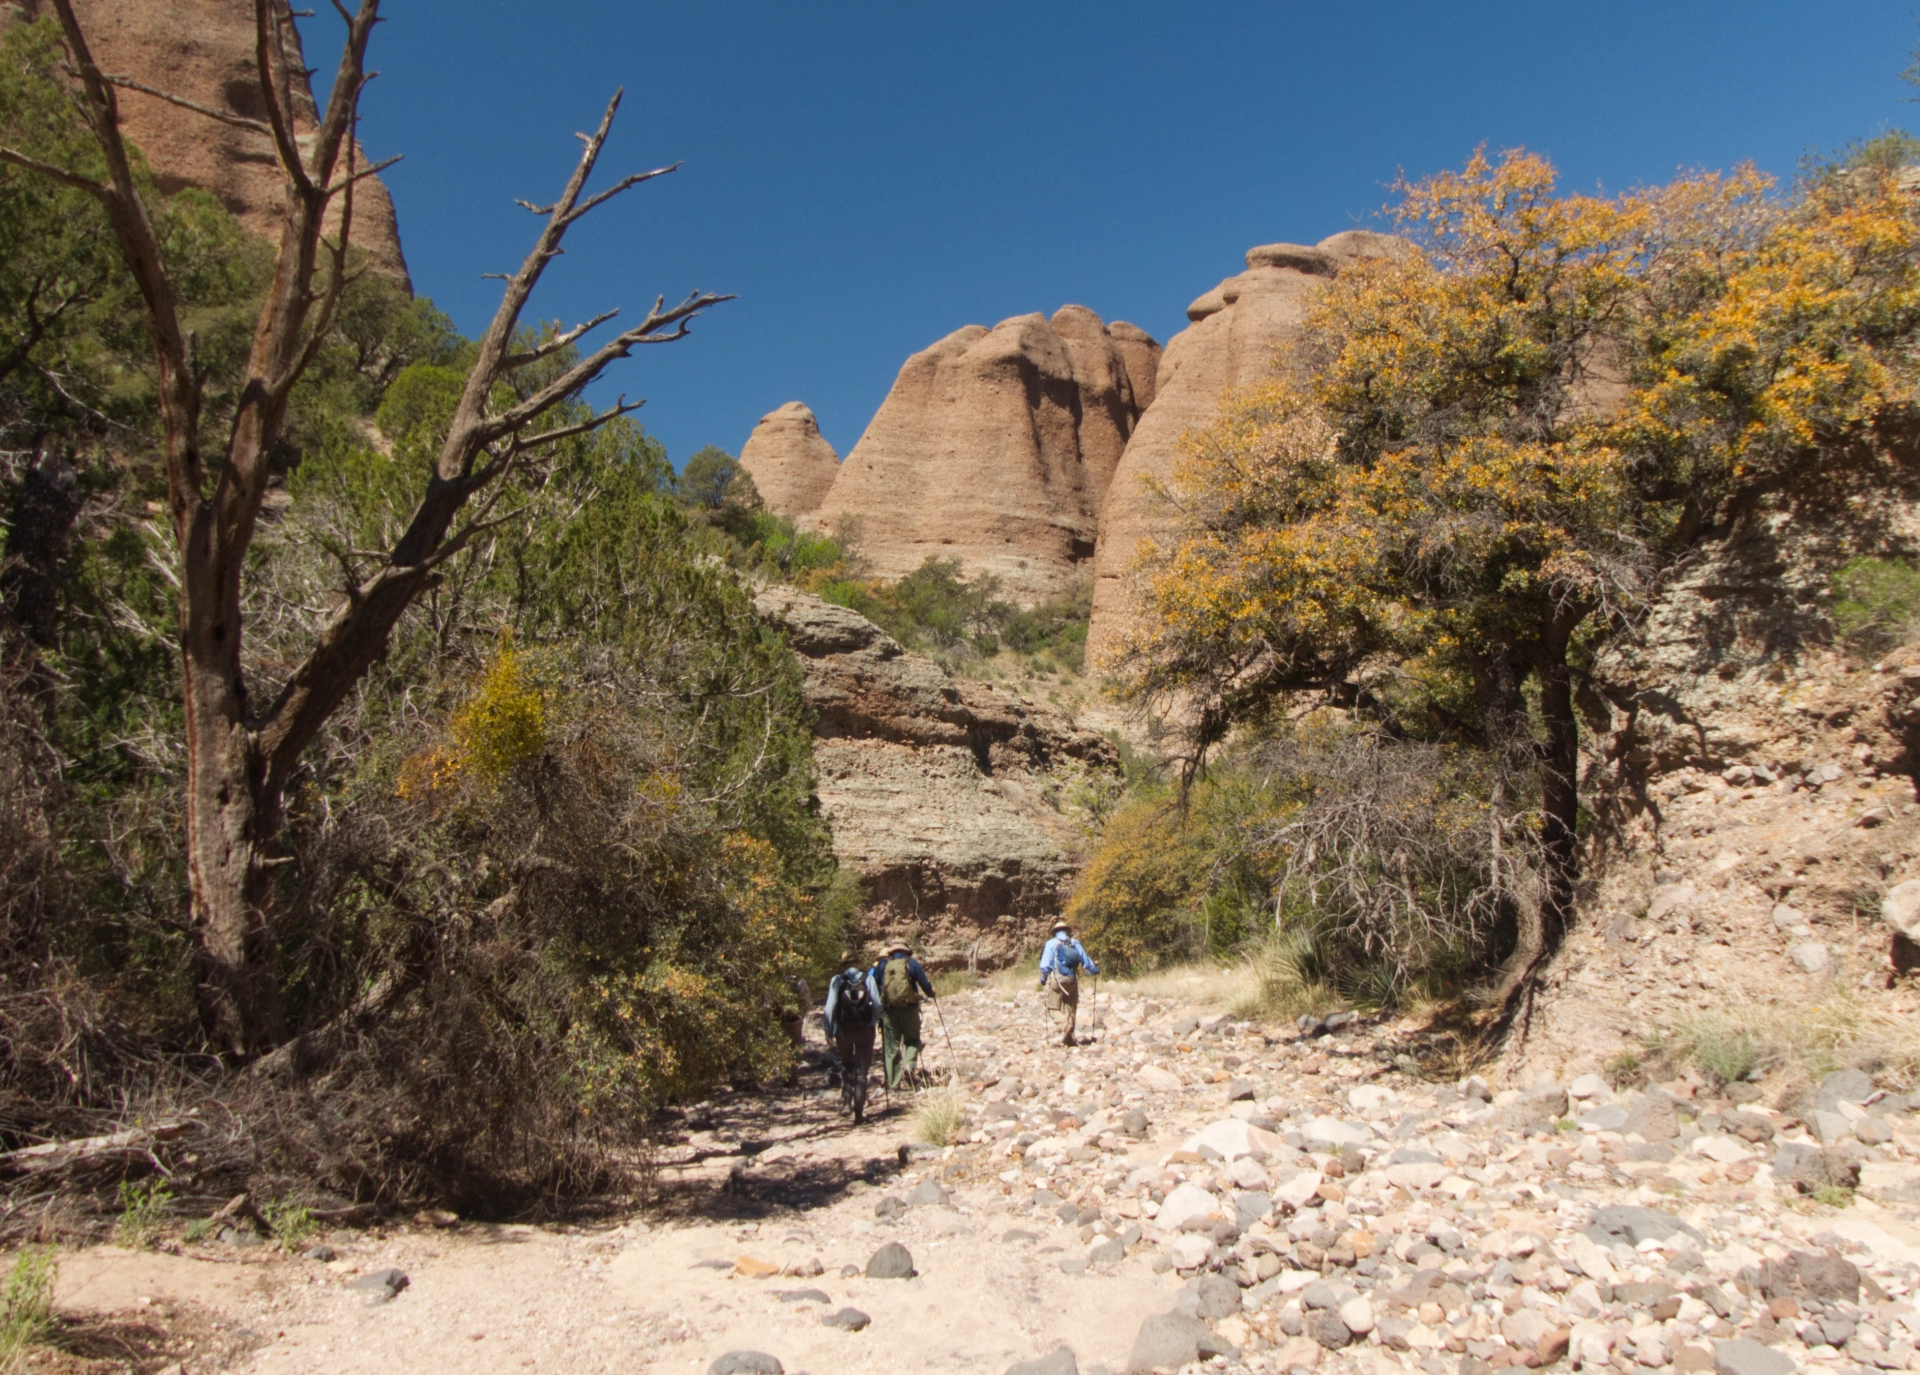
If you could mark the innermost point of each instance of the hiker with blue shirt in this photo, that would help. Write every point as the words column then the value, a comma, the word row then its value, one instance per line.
column 901, row 983
column 852, row 1014
column 1060, row 966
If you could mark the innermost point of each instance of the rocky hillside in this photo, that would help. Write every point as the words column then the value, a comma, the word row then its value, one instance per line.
column 1760, row 805
column 203, row 51
column 947, row 797
column 997, row 447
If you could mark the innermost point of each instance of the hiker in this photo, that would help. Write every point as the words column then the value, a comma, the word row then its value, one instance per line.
column 853, row 1010
column 1060, row 966
column 900, row 982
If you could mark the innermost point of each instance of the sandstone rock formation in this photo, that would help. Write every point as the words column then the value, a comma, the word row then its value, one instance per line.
column 790, row 461
column 997, row 447
column 203, row 51
column 937, row 789
column 1238, row 330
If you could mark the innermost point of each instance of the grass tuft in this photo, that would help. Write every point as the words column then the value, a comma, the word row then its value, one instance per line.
column 938, row 1117
column 143, row 1207
column 26, row 1305
column 1794, row 1044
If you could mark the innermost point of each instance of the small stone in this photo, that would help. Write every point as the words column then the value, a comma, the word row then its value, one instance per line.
column 1240, row 1091
column 1357, row 1314
column 1015, row 1235
column 1609, row 1117
column 1811, row 957
column 753, row 1268
column 1106, row 1253
column 1653, row 1115
column 847, row 1320
column 1829, row 1127
column 891, row 1262
column 1842, row 1086
column 1190, row 1250
column 1743, row 1356
column 322, row 1253
column 804, row 1296
column 928, row 1195
column 1166, row 1340
column 1326, row 1328
column 889, row 1207
column 1810, row 1275
column 1626, row 1222
column 1133, row 1122
column 1587, row 1086
column 746, row 1363
column 1059, row 1362
column 384, row 1283
column 1187, row 1203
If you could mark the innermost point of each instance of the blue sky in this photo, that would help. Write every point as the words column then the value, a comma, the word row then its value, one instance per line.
column 869, row 177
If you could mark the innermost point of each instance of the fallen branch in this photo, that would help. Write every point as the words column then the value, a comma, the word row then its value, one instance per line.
column 60, row 1155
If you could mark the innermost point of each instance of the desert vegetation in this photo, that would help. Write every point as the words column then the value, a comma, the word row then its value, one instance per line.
column 482, row 826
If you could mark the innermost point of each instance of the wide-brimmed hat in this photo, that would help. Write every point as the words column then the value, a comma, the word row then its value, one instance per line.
column 899, row 948
column 1060, row 926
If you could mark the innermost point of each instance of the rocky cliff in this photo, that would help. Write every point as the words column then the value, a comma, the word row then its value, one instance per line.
column 997, row 447
column 1239, row 330
column 203, row 51
column 790, row 461
column 945, row 796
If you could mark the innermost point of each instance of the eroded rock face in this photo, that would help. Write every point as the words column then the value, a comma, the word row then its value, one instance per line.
column 997, row 447
column 1239, row 330
column 937, row 789
column 203, row 51
column 790, row 461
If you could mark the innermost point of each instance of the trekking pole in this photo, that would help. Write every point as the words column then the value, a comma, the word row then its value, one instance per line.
column 952, row 1059
column 1094, row 1007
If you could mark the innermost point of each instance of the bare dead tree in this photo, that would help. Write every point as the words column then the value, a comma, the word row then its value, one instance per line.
column 243, row 745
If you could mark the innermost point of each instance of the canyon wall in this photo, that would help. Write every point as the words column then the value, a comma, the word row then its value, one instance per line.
column 203, row 51
column 945, row 796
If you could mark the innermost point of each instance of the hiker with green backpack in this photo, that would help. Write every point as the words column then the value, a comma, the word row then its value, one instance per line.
column 902, row 983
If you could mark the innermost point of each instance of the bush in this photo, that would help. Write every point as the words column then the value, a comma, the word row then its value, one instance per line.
column 1877, row 603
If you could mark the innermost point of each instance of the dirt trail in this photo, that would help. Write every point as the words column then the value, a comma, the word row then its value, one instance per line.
column 1185, row 1185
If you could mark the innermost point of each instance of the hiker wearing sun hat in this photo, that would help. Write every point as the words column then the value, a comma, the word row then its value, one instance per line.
column 901, row 983
column 1060, row 966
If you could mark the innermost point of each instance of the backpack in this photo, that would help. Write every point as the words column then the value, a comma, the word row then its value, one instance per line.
column 896, row 984
column 853, row 1008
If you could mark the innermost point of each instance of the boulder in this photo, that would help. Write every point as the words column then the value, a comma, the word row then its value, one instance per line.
column 1744, row 1356
column 1238, row 331
column 996, row 447
column 1809, row 1167
column 203, row 51
column 1653, row 1115
column 1842, row 1086
column 790, row 461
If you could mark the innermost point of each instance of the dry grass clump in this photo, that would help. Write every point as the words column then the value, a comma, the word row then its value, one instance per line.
column 939, row 1116
column 1794, row 1044
column 1229, row 986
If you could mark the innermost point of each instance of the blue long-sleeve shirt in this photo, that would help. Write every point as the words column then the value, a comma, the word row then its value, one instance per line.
column 1066, row 956
column 914, row 972
column 834, row 991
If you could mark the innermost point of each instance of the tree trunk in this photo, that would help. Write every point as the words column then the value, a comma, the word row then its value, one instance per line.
column 228, row 817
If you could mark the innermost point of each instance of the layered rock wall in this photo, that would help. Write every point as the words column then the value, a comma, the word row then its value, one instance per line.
column 997, row 447
column 203, row 51
column 1241, row 329
column 940, row 792
column 790, row 461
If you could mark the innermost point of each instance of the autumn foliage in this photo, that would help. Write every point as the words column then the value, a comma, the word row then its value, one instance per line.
column 1488, row 449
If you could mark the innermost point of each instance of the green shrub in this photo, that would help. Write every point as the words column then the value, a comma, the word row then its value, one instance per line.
column 1877, row 602
column 292, row 1224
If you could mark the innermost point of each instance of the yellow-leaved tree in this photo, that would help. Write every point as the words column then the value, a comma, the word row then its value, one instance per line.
column 1492, row 444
